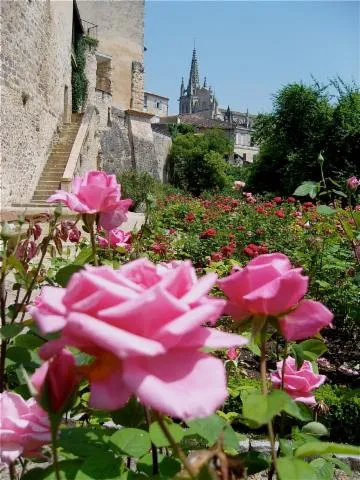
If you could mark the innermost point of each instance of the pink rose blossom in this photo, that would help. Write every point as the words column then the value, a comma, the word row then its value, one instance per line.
column 26, row 250
column 269, row 286
column 238, row 185
column 56, row 381
column 299, row 384
column 144, row 327
column 352, row 183
column 117, row 237
column 24, row 427
column 74, row 235
column 96, row 192
column 232, row 354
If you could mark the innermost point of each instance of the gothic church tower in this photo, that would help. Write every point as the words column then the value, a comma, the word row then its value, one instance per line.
column 195, row 98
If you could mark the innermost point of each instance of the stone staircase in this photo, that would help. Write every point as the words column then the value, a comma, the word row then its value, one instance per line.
column 52, row 173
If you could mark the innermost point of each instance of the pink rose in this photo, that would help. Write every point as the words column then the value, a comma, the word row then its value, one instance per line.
column 232, row 354
column 299, row 384
column 24, row 427
column 26, row 250
column 352, row 183
column 117, row 237
column 96, row 192
column 269, row 286
column 74, row 235
column 238, row 185
column 56, row 381
column 144, row 327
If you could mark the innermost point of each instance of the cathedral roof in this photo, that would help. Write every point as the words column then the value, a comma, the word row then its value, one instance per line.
column 201, row 122
column 194, row 82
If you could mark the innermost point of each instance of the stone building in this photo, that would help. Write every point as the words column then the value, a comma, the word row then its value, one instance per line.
column 44, row 144
column 156, row 104
column 198, row 106
column 195, row 98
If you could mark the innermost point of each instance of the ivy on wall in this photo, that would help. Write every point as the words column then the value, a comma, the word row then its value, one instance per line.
column 78, row 78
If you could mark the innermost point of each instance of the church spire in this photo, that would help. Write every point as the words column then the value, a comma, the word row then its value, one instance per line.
column 194, row 75
column 182, row 88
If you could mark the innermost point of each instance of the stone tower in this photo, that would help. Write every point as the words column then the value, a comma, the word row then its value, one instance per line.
column 195, row 98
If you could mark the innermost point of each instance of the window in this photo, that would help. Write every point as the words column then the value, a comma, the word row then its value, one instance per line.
column 158, row 105
column 145, row 101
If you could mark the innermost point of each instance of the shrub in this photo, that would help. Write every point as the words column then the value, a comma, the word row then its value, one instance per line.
column 343, row 414
column 137, row 186
column 196, row 161
column 343, row 404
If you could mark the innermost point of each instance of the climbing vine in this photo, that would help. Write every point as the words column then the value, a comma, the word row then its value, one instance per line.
column 79, row 80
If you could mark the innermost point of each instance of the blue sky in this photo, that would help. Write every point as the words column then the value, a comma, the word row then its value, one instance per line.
column 249, row 49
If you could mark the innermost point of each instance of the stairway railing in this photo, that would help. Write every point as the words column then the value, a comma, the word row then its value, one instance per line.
column 73, row 164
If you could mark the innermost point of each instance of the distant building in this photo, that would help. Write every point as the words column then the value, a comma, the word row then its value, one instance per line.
column 198, row 106
column 156, row 104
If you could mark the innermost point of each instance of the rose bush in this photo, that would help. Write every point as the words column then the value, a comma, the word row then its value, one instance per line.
column 143, row 327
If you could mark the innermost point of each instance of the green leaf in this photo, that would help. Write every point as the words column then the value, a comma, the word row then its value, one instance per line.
column 316, row 429
column 132, row 441
column 85, row 256
column 324, row 469
column 298, row 410
column 10, row 331
column 340, row 465
column 131, row 415
column 68, row 470
column 158, row 438
column 340, row 193
column 84, row 442
column 168, row 467
column 325, row 210
column 255, row 462
column 348, row 230
column 298, row 354
column 29, row 341
column 294, row 469
column 18, row 354
column 63, row 275
column 307, row 188
column 262, row 408
column 313, row 349
column 313, row 449
column 214, row 429
column 101, row 466
column 15, row 263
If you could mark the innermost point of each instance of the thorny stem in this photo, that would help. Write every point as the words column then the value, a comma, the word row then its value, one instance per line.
column 265, row 391
column 154, row 452
column 31, row 286
column 3, row 319
column 93, row 244
column 54, row 431
column 12, row 471
column 177, row 449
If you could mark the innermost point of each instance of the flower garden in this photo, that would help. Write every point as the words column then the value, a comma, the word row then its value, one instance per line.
column 157, row 353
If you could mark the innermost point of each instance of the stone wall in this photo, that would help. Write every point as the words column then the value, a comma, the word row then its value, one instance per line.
column 162, row 145
column 121, row 35
column 116, row 151
column 90, row 73
column 35, row 75
column 142, row 142
column 91, row 145
column 137, row 86
column 103, row 104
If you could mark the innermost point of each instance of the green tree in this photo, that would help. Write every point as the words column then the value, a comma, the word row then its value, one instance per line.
column 196, row 161
column 304, row 123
